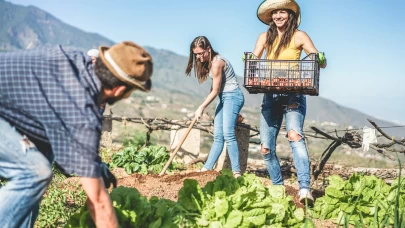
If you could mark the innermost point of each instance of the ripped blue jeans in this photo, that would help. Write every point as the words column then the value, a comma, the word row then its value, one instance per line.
column 28, row 171
column 226, row 114
column 292, row 107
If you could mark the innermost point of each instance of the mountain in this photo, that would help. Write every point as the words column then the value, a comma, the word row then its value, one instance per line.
column 30, row 27
column 169, row 73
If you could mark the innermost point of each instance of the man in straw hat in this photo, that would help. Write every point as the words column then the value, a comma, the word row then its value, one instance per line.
column 49, row 108
column 283, row 41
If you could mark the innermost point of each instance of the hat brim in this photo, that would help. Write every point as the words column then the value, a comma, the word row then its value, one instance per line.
column 266, row 7
column 146, row 86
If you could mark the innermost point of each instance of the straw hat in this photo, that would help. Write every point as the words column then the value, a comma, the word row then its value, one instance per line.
column 130, row 63
column 267, row 6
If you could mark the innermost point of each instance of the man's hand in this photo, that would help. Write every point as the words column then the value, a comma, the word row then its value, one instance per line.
column 99, row 203
column 108, row 177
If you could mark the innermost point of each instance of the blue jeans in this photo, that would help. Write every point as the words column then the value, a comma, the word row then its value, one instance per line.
column 293, row 108
column 226, row 115
column 28, row 171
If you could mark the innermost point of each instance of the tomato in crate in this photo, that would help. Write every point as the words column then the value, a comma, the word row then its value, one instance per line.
column 282, row 76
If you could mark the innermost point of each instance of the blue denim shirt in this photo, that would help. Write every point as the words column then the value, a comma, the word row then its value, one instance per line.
column 52, row 95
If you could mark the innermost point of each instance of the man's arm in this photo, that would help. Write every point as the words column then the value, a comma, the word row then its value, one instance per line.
column 99, row 202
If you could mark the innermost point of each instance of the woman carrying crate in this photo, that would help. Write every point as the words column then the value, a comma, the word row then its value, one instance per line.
column 283, row 41
column 208, row 63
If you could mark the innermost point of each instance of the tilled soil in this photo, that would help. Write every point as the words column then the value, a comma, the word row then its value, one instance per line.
column 166, row 186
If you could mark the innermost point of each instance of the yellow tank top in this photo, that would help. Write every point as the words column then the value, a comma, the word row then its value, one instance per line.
column 291, row 52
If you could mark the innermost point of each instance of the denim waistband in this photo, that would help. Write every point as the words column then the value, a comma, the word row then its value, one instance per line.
column 236, row 90
column 285, row 99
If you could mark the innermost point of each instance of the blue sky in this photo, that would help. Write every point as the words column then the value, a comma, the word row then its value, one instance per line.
column 362, row 39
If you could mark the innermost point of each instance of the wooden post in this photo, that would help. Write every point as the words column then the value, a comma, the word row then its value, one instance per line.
column 178, row 147
column 191, row 146
column 106, row 132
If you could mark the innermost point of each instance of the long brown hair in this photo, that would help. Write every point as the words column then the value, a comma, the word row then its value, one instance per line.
column 285, row 39
column 201, row 69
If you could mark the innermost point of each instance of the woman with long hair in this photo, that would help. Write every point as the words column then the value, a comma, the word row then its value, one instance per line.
column 208, row 63
column 283, row 41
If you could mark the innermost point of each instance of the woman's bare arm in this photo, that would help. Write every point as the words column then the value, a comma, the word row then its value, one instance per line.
column 217, row 68
column 259, row 48
column 303, row 41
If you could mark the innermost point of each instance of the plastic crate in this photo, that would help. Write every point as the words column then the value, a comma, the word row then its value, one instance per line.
column 282, row 76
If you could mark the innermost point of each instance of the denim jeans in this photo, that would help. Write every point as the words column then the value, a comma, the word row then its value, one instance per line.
column 274, row 108
column 28, row 171
column 226, row 115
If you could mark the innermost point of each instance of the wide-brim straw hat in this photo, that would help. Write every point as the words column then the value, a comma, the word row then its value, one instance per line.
column 130, row 63
column 267, row 6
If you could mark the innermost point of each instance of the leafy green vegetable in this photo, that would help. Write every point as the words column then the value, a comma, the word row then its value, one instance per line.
column 134, row 210
column 360, row 198
column 149, row 159
column 241, row 202
column 224, row 202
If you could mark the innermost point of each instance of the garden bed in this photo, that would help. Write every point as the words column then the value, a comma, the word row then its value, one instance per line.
column 168, row 186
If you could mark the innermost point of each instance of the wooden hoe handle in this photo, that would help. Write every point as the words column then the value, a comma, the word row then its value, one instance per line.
column 178, row 147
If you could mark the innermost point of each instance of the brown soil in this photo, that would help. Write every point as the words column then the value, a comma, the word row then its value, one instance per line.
column 166, row 186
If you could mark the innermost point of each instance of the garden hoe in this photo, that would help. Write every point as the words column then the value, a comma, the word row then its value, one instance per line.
column 178, row 147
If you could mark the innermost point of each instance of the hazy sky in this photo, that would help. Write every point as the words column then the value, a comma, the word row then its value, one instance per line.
column 364, row 40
